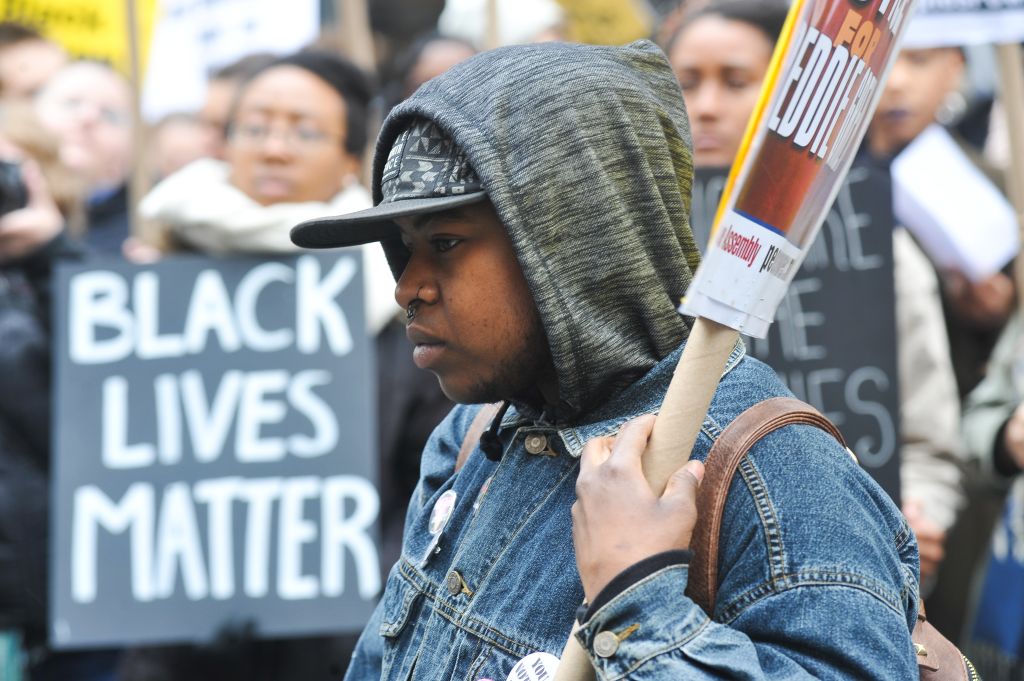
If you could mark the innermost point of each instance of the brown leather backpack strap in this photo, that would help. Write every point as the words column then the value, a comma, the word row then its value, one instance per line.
column 720, row 466
column 937, row 658
column 477, row 427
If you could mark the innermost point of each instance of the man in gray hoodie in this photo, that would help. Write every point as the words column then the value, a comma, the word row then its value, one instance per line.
column 533, row 203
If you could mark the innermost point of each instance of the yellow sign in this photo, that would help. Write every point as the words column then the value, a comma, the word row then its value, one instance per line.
column 607, row 22
column 93, row 29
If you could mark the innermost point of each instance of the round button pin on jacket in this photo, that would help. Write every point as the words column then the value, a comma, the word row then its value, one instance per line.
column 534, row 667
column 442, row 511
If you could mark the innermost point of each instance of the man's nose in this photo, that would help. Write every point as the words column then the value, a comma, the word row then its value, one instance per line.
column 416, row 283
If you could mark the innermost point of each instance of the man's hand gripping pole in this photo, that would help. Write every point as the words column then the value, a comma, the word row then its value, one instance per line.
column 675, row 432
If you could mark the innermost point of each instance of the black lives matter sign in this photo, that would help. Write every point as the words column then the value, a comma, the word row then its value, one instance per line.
column 833, row 342
column 214, row 450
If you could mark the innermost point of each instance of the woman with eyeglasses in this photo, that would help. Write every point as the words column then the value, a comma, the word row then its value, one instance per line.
column 295, row 140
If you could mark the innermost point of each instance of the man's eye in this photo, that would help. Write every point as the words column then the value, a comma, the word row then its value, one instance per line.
column 443, row 245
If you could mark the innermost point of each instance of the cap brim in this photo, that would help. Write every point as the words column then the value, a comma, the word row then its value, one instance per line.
column 372, row 224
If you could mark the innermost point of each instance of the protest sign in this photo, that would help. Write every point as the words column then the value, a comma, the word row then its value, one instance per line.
column 214, row 450
column 957, row 214
column 819, row 95
column 939, row 23
column 195, row 37
column 93, row 29
column 834, row 340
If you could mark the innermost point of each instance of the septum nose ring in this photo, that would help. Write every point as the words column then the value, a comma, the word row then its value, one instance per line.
column 410, row 311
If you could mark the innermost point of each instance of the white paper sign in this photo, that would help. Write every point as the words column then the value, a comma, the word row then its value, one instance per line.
column 940, row 23
column 748, row 268
column 958, row 216
column 193, row 37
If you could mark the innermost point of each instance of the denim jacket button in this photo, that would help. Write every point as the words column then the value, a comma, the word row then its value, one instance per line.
column 453, row 583
column 535, row 444
column 605, row 644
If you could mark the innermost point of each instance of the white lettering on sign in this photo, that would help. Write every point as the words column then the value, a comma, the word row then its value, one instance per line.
column 825, row 74
column 167, row 547
column 251, row 401
column 107, row 325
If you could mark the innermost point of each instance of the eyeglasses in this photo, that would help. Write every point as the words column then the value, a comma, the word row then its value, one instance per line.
column 77, row 106
column 298, row 138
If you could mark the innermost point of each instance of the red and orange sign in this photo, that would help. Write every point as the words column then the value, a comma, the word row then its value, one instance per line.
column 819, row 95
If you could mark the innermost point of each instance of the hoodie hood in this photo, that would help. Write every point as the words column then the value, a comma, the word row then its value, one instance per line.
column 585, row 153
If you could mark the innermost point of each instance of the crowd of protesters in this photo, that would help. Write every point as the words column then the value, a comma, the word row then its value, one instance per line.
column 282, row 139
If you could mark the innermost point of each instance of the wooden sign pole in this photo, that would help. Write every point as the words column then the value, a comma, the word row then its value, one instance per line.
column 139, row 181
column 492, row 31
column 1011, row 94
column 353, row 20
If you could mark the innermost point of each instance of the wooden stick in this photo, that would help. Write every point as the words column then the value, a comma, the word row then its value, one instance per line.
column 1011, row 94
column 139, row 181
column 675, row 432
column 687, row 400
column 353, row 19
column 492, row 31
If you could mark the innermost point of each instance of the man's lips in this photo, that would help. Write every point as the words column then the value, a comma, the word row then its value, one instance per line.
column 429, row 347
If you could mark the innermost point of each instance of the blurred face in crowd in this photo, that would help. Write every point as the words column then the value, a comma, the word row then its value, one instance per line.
column 720, row 64
column 26, row 66
column 177, row 142
column 88, row 107
column 287, row 140
column 918, row 85
column 216, row 110
column 436, row 58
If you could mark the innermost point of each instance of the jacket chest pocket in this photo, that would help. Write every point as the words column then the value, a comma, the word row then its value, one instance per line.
column 402, row 602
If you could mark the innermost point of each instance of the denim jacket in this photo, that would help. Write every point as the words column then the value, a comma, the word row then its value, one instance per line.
column 817, row 568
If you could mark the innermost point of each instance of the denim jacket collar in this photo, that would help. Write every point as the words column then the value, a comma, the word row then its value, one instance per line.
column 642, row 397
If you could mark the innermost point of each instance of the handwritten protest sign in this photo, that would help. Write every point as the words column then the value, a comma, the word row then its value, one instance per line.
column 834, row 339
column 214, row 450
column 820, row 92
column 94, row 29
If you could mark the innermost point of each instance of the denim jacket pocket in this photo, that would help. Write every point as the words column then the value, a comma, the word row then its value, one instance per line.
column 399, row 598
column 400, row 606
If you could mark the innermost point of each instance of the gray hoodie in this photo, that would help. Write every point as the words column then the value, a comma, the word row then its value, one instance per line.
column 595, row 197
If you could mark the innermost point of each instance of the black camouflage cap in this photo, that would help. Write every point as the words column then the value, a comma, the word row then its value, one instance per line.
column 426, row 172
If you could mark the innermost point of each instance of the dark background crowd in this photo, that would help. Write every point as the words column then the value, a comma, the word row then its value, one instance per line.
column 284, row 138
